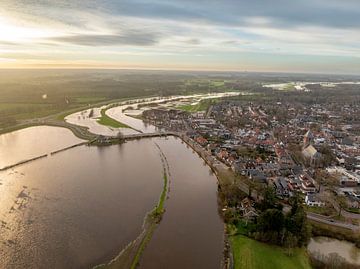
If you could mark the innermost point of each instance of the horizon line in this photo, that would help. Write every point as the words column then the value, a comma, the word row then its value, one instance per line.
column 176, row 70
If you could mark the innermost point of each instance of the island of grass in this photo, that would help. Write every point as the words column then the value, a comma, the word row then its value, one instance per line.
column 249, row 253
column 107, row 121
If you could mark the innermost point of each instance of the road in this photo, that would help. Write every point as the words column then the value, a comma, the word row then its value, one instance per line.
column 323, row 219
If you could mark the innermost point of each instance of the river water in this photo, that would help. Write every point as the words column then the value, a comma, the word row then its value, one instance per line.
column 32, row 142
column 80, row 207
column 122, row 115
column 326, row 246
column 84, row 118
column 77, row 208
column 190, row 235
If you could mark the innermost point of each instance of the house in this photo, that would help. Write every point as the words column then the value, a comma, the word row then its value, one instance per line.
column 247, row 209
column 257, row 176
column 347, row 181
column 313, row 200
column 307, row 186
column 307, row 183
column 201, row 140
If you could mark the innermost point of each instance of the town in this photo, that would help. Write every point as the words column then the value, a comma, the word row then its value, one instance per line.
column 297, row 149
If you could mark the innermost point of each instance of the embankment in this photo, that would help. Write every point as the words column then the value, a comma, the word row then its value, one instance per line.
column 41, row 156
column 23, row 162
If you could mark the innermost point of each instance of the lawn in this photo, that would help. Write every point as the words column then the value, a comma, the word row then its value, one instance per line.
column 326, row 211
column 106, row 120
column 203, row 105
column 249, row 253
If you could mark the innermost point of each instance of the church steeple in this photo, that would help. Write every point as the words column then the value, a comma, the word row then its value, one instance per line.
column 308, row 139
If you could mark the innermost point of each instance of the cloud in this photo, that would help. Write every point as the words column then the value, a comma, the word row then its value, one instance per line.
column 283, row 13
column 180, row 29
column 129, row 38
column 193, row 41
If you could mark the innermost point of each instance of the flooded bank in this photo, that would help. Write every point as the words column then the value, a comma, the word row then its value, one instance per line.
column 127, row 112
column 32, row 142
column 89, row 118
column 78, row 208
column 325, row 246
column 190, row 234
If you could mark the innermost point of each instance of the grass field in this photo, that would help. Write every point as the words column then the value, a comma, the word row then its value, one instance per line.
column 107, row 121
column 249, row 253
column 203, row 105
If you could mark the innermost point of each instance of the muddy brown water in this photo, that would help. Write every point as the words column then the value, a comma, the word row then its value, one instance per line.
column 79, row 208
column 190, row 234
column 32, row 142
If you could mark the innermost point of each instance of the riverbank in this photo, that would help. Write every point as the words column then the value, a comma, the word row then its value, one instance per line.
column 237, row 256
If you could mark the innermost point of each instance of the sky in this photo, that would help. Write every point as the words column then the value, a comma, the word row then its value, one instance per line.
column 315, row 36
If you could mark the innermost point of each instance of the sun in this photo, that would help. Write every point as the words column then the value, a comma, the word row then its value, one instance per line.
column 10, row 32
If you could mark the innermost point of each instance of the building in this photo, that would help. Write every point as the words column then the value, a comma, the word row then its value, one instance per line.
column 310, row 153
column 308, row 139
column 313, row 200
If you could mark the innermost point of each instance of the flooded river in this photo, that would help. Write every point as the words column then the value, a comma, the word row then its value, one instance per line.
column 326, row 246
column 126, row 112
column 190, row 234
column 89, row 118
column 32, row 142
column 81, row 207
column 77, row 208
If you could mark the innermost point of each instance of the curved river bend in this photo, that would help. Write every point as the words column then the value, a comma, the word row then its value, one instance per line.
column 79, row 208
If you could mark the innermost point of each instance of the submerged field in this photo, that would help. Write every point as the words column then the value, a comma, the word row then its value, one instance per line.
column 249, row 253
column 107, row 121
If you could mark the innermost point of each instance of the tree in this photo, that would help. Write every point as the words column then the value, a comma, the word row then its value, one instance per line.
column 296, row 221
column 269, row 199
column 91, row 113
column 342, row 203
column 271, row 226
column 271, row 220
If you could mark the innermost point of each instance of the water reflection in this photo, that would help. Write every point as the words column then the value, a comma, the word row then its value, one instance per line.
column 78, row 208
column 32, row 142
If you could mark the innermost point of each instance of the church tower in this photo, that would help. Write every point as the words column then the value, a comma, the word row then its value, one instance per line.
column 308, row 139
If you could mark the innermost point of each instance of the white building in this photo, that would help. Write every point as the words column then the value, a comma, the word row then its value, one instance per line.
column 313, row 200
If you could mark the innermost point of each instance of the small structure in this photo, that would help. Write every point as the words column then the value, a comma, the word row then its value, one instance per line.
column 247, row 209
column 313, row 200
